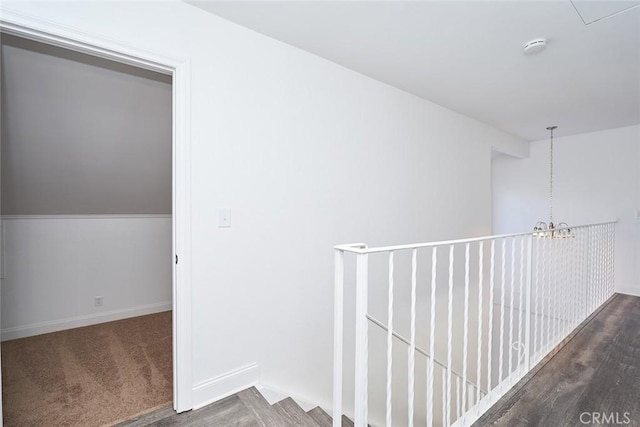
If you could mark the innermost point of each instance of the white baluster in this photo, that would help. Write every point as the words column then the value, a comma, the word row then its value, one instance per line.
column 537, row 285
column 449, row 334
column 589, row 272
column 612, row 259
column 432, row 333
column 528, row 349
column 575, row 272
column 562, row 264
column 594, row 270
column 490, row 336
column 445, row 414
column 607, row 257
column 555, row 289
column 458, row 405
column 570, row 275
column 580, row 275
column 465, row 332
column 412, row 339
column 601, row 263
column 480, row 295
column 520, row 306
column 599, row 252
column 511, row 298
column 502, row 288
column 547, row 262
column 585, row 271
column 390, row 342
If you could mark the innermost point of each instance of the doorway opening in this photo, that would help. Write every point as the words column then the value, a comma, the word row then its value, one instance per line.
column 175, row 221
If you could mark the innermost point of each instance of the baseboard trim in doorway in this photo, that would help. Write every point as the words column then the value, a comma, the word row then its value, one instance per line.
column 80, row 321
column 217, row 388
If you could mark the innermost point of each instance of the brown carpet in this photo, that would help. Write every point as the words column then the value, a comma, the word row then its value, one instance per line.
column 92, row 376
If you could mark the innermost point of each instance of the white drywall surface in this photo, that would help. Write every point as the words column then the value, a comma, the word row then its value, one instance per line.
column 596, row 179
column 82, row 135
column 54, row 267
column 307, row 155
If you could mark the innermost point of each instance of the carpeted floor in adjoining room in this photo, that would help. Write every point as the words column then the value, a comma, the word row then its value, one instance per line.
column 92, row 376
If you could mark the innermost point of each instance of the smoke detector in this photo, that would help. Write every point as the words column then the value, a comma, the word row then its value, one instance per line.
column 534, row 46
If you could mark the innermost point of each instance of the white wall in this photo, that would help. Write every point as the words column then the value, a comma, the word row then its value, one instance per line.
column 307, row 154
column 82, row 135
column 596, row 178
column 54, row 267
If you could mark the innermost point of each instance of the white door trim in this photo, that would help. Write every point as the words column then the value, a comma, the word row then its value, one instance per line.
column 35, row 29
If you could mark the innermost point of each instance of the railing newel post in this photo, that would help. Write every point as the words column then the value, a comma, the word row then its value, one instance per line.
column 338, row 331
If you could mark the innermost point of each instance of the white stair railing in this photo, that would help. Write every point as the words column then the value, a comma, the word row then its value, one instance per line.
column 491, row 309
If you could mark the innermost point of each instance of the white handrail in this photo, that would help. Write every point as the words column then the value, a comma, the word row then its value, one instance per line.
column 362, row 248
column 559, row 281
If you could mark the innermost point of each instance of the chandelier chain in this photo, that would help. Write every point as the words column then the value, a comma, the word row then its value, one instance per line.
column 542, row 229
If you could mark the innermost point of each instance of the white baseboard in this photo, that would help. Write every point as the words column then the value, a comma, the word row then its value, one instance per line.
column 628, row 290
column 274, row 395
column 80, row 321
column 271, row 395
column 225, row 385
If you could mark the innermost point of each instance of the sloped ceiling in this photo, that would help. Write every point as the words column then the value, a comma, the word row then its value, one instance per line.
column 467, row 56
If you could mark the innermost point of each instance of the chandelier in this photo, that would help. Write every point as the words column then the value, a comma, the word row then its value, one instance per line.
column 543, row 229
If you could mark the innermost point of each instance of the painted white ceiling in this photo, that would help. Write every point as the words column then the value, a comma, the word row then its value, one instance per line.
column 467, row 56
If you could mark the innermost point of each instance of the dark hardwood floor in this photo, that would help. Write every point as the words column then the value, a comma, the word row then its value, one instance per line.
column 593, row 380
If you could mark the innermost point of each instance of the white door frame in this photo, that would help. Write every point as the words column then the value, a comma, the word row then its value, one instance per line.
column 45, row 32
